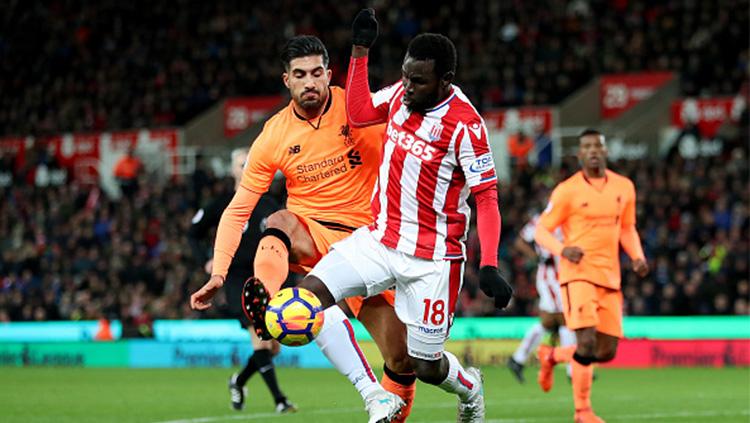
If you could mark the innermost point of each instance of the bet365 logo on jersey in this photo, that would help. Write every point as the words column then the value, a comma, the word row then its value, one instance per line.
column 415, row 146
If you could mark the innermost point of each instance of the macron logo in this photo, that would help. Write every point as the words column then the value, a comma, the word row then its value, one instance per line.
column 476, row 128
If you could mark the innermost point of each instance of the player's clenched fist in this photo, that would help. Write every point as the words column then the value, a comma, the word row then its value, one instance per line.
column 574, row 254
column 493, row 284
column 364, row 28
column 640, row 267
column 201, row 299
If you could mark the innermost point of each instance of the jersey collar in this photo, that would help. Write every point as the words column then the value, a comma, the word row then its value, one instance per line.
column 442, row 103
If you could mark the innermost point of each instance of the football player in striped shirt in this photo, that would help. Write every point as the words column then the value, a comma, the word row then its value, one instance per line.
column 435, row 154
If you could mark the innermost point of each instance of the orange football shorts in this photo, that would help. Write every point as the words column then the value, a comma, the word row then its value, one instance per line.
column 588, row 305
column 324, row 236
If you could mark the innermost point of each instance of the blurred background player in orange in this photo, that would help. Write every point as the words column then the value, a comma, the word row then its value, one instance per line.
column 596, row 210
column 330, row 171
column 239, row 270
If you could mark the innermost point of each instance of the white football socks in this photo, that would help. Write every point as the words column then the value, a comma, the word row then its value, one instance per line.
column 336, row 341
column 531, row 340
column 458, row 380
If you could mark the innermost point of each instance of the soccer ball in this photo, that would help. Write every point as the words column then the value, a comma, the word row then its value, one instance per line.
column 294, row 316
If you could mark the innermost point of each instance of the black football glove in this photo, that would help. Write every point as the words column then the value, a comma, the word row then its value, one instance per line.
column 493, row 284
column 364, row 28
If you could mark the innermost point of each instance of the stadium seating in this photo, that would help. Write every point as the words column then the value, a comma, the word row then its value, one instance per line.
column 110, row 65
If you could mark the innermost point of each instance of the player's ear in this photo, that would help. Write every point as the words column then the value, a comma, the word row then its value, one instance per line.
column 329, row 74
column 285, row 78
column 447, row 79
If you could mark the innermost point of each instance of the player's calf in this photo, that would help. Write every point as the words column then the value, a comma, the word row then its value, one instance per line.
column 431, row 372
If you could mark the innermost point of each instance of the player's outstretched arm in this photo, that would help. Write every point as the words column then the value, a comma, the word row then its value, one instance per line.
column 228, row 237
column 360, row 109
column 364, row 32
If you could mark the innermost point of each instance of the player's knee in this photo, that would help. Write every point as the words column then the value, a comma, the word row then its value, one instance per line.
column 548, row 322
column 283, row 220
column 586, row 348
column 317, row 287
column 606, row 354
column 427, row 371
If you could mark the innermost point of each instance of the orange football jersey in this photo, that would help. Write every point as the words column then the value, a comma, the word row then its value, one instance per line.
column 330, row 169
column 592, row 215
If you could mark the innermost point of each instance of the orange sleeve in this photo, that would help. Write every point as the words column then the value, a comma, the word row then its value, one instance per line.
column 629, row 238
column 552, row 217
column 229, row 231
column 261, row 163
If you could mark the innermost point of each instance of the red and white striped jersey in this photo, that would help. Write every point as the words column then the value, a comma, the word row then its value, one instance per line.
column 431, row 160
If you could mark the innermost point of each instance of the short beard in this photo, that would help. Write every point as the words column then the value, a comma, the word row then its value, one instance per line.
column 313, row 105
column 422, row 107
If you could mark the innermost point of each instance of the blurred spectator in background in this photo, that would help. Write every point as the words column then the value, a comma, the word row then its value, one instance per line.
column 62, row 260
column 126, row 172
column 111, row 65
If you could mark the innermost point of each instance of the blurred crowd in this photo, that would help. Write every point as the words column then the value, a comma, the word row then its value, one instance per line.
column 72, row 253
column 115, row 65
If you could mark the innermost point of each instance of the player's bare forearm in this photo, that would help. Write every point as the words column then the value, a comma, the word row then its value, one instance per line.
column 201, row 299
column 525, row 249
column 359, row 51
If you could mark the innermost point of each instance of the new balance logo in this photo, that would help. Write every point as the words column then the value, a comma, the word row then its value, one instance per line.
column 295, row 149
column 354, row 159
column 585, row 205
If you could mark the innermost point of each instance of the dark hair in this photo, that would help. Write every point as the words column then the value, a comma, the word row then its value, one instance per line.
column 589, row 131
column 303, row 46
column 435, row 47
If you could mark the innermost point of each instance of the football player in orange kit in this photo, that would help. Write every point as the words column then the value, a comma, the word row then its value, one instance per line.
column 596, row 210
column 330, row 170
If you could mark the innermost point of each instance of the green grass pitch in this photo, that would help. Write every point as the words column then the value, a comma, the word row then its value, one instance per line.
column 200, row 396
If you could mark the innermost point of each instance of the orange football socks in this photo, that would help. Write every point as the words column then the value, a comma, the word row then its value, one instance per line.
column 583, row 377
column 272, row 262
column 404, row 385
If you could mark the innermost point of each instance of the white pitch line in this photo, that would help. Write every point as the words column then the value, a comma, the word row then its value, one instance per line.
column 257, row 416
column 331, row 411
column 624, row 417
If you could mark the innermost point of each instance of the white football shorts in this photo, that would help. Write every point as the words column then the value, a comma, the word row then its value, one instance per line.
column 426, row 290
column 548, row 288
